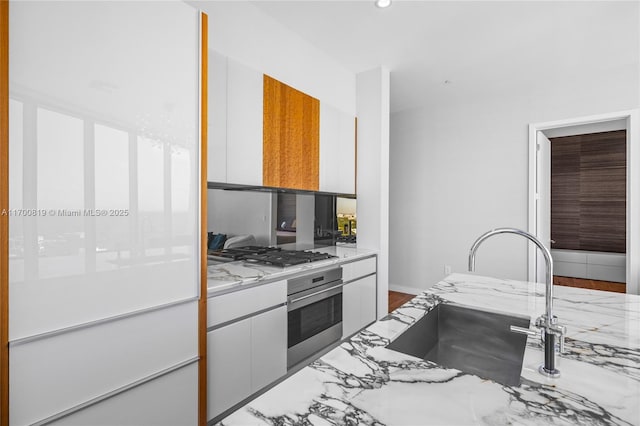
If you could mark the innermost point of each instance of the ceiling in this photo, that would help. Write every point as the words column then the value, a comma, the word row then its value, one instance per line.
column 479, row 47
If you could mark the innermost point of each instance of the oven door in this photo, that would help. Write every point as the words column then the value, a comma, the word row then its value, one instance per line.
column 314, row 321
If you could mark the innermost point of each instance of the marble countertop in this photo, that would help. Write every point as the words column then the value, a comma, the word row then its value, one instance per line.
column 362, row 382
column 225, row 277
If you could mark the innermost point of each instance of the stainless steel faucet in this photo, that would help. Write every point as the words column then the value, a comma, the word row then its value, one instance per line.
column 547, row 322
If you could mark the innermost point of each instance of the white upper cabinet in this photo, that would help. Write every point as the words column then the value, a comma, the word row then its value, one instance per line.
column 244, row 124
column 120, row 140
column 337, row 150
column 217, row 126
column 235, row 132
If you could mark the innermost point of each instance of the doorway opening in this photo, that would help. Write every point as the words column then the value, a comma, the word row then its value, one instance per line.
column 588, row 208
column 603, row 236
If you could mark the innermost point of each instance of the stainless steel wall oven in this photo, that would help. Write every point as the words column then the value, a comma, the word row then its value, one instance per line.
column 314, row 307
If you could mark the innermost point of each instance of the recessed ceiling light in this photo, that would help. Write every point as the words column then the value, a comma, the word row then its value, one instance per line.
column 383, row 3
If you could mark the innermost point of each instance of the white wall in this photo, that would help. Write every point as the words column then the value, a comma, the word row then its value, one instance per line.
column 461, row 169
column 243, row 32
column 241, row 213
column 373, row 173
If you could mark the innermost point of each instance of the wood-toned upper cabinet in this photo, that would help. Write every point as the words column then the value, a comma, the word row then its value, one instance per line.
column 337, row 150
column 291, row 132
column 244, row 124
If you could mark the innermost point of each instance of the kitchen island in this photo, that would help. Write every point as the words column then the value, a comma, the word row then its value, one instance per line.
column 362, row 382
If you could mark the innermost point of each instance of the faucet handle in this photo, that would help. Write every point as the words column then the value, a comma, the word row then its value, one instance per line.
column 552, row 327
column 522, row 330
column 560, row 331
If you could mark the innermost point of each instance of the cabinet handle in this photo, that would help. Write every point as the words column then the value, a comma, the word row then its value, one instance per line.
column 314, row 294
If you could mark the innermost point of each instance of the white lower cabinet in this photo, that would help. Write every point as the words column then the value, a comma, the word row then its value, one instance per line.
column 126, row 350
column 368, row 300
column 228, row 366
column 268, row 347
column 358, row 305
column 169, row 400
column 350, row 309
column 245, row 356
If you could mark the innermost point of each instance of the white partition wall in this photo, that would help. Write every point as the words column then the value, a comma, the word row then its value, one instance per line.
column 372, row 100
column 104, row 198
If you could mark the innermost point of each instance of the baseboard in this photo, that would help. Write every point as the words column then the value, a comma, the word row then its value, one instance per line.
column 405, row 289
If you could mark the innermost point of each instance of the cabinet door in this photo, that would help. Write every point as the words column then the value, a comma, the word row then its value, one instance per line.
column 367, row 290
column 217, row 126
column 337, row 151
column 358, row 305
column 244, row 124
column 160, row 402
column 268, row 347
column 228, row 366
column 350, row 309
column 246, row 302
column 291, row 137
column 358, row 269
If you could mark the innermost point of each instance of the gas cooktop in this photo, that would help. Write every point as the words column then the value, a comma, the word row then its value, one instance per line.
column 239, row 253
column 268, row 255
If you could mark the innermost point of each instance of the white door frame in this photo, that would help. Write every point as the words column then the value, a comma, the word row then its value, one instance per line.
column 632, row 118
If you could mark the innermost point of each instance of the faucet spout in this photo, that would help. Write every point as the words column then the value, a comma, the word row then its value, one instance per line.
column 547, row 322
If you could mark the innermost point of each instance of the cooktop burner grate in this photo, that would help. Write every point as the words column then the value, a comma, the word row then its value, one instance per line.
column 267, row 255
column 239, row 253
column 287, row 257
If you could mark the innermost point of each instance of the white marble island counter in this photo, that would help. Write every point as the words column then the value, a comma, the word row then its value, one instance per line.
column 362, row 382
column 230, row 276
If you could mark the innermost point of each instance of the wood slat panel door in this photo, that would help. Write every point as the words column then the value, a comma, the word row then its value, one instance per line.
column 291, row 137
column 588, row 193
column 603, row 192
column 565, row 192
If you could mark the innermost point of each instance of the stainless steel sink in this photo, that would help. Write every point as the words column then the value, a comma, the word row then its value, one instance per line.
column 468, row 339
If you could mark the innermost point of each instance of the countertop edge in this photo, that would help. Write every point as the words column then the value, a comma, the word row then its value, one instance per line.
column 254, row 282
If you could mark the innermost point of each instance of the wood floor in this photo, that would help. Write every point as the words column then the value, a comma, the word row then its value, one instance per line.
column 397, row 299
column 591, row 284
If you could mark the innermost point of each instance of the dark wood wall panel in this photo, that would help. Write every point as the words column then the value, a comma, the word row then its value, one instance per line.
column 565, row 192
column 588, row 192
